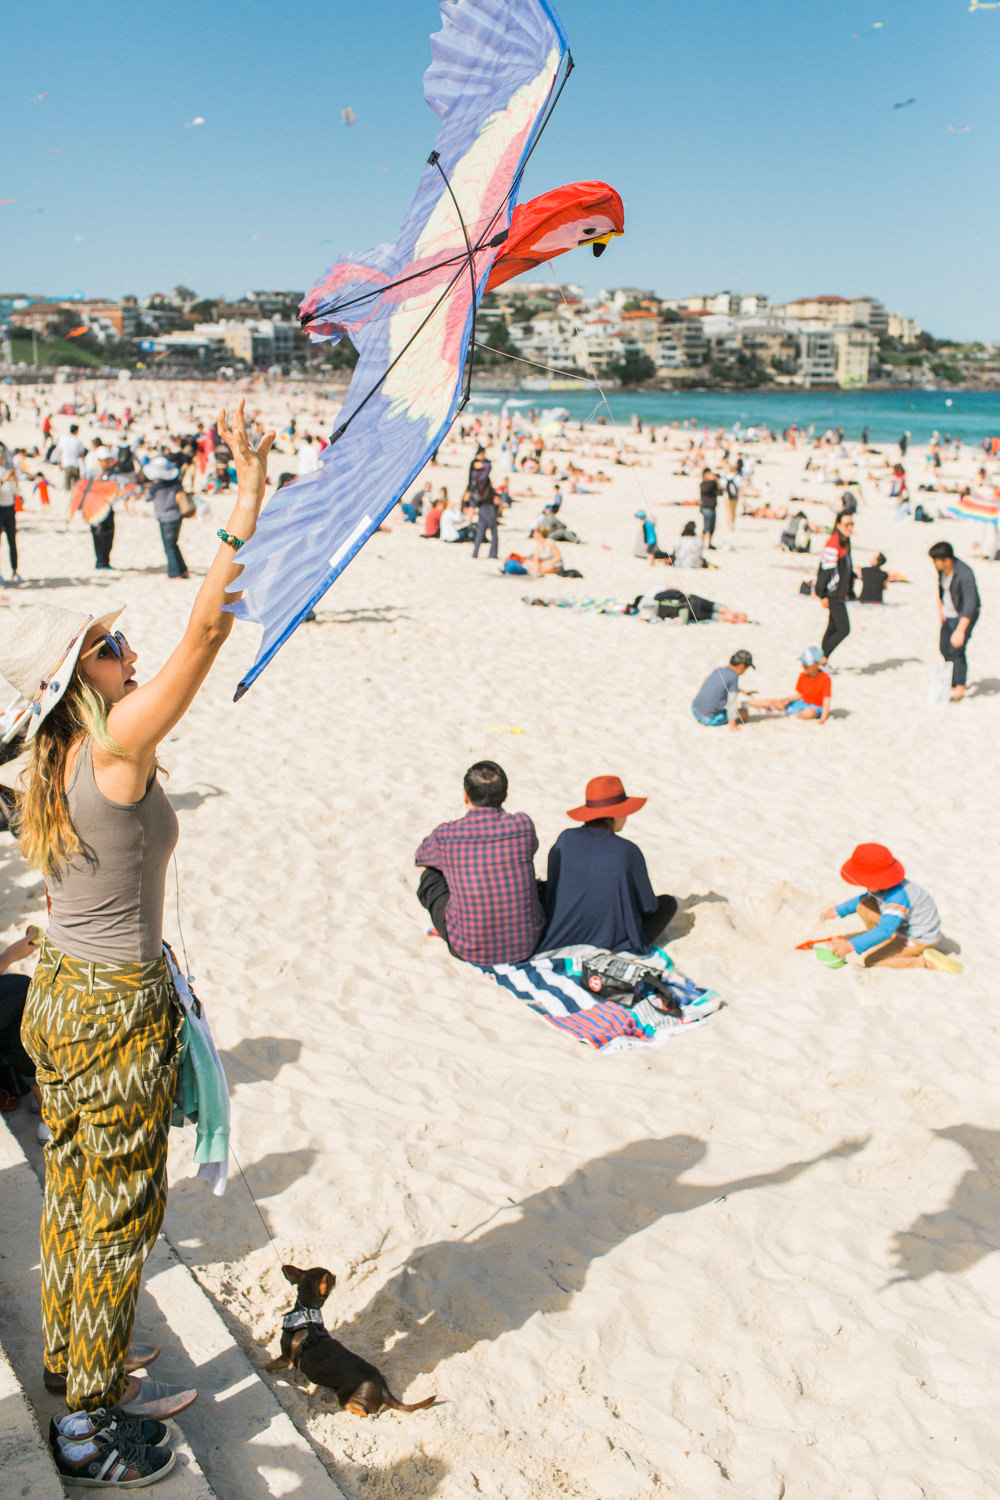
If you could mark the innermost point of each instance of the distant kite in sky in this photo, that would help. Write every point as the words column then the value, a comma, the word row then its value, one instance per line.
column 409, row 308
column 9, row 200
column 984, row 5
column 36, row 97
column 75, row 333
column 198, row 120
column 877, row 25
column 904, row 104
column 55, row 150
column 959, row 129
column 348, row 116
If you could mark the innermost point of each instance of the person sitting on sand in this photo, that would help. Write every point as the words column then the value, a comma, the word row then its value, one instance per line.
column 902, row 923
column 689, row 552
column 874, row 579
column 717, row 701
column 453, row 525
column 547, row 558
column 432, row 517
column 796, row 533
column 598, row 889
column 813, row 690
column 478, row 882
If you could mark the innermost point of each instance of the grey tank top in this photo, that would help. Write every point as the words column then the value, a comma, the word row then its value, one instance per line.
column 107, row 903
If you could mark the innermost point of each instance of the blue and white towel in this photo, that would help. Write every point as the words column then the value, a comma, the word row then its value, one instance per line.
column 543, row 984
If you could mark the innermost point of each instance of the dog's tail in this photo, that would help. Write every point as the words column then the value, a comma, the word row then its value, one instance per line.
column 391, row 1401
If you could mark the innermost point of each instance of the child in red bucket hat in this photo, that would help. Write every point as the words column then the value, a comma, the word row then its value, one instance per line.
column 901, row 920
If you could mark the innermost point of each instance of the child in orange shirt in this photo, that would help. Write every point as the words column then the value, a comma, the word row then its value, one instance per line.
column 813, row 688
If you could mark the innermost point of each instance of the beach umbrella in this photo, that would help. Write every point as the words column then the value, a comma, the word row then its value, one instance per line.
column 975, row 508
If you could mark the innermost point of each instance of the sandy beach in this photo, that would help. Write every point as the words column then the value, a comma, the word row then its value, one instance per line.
column 755, row 1262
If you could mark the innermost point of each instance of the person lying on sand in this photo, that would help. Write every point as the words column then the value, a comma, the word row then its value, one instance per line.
column 678, row 604
column 901, row 920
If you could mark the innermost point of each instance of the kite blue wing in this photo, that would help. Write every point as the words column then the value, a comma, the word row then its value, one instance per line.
column 409, row 309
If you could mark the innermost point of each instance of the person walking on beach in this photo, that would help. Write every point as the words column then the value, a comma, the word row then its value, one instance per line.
column 708, row 499
column 8, row 518
column 958, row 606
column 103, row 531
column 102, row 1020
column 835, row 583
column 164, row 488
column 904, row 443
column 488, row 514
column 69, row 453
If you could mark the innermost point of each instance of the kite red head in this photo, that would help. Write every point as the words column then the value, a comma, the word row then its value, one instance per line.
column 581, row 213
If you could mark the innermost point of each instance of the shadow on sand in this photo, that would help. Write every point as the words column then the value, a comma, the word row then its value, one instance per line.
column 455, row 1293
column 967, row 1230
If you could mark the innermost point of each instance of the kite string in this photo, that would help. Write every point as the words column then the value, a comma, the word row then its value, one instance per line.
column 520, row 359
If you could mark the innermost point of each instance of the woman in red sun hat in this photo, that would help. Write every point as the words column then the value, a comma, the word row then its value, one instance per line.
column 901, row 920
column 598, row 888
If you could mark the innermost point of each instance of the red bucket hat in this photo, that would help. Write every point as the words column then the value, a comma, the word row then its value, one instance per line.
column 873, row 866
column 606, row 798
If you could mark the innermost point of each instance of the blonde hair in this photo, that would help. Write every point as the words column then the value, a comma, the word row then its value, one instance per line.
column 42, row 823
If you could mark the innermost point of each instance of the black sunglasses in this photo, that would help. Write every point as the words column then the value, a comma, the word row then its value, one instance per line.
column 113, row 645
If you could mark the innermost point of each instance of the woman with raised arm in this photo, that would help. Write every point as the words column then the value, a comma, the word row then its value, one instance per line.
column 102, row 1018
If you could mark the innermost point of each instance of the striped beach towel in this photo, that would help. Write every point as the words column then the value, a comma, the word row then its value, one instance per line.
column 543, row 984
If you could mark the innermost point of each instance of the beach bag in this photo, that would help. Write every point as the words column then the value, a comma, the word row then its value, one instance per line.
column 625, row 981
column 185, row 504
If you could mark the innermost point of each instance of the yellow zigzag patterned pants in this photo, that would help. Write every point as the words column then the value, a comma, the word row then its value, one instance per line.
column 104, row 1040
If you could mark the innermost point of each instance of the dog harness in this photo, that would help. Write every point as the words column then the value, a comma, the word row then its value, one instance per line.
column 302, row 1317
column 309, row 1318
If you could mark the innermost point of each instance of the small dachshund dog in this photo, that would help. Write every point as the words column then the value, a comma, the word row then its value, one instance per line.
column 305, row 1343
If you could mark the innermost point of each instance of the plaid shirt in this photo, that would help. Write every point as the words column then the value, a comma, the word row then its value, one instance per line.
column 494, row 915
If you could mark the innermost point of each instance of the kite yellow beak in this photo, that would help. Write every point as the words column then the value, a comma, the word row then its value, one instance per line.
column 602, row 241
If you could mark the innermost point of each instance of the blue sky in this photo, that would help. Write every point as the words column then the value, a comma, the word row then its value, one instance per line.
column 755, row 145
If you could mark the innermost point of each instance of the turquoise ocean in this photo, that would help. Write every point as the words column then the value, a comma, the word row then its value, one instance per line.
column 970, row 415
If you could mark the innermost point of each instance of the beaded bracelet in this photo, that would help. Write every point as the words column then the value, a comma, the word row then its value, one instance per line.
column 232, row 541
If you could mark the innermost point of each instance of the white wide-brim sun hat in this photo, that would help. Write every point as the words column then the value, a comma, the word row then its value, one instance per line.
column 39, row 649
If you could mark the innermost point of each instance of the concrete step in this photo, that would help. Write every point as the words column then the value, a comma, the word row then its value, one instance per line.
column 236, row 1442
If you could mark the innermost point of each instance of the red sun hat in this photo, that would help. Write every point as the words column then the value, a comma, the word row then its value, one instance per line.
column 606, row 798
column 873, row 866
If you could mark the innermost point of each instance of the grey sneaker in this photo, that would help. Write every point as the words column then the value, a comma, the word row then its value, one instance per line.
column 78, row 1426
column 109, row 1456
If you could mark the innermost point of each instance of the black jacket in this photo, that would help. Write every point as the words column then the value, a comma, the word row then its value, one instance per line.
column 964, row 594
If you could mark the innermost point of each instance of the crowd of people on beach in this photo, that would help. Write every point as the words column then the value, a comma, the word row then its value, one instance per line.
column 96, row 1035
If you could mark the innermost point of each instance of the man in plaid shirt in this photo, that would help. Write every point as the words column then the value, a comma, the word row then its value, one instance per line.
column 479, row 881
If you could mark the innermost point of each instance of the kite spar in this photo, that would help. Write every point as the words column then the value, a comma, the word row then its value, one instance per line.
column 409, row 308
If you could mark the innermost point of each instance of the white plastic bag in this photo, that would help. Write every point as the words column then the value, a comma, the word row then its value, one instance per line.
column 939, row 687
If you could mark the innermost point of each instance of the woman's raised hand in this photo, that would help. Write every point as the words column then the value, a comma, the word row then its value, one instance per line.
column 250, row 462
